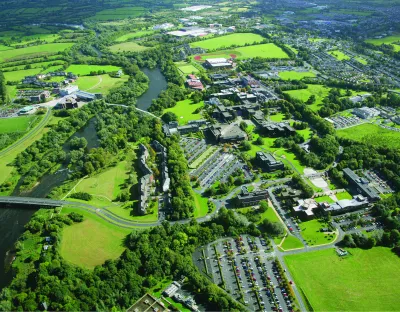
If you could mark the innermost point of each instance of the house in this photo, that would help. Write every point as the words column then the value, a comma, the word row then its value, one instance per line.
column 227, row 133
column 267, row 162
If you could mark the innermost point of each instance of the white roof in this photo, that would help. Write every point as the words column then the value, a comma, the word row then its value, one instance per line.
column 217, row 60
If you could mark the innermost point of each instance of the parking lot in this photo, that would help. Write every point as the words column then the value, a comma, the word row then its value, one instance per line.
column 218, row 167
column 344, row 122
column 246, row 268
column 193, row 148
column 378, row 183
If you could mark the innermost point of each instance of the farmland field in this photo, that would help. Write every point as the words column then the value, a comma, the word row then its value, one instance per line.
column 92, row 241
column 371, row 134
column 132, row 35
column 84, row 70
column 185, row 111
column 118, row 13
column 20, row 74
column 239, row 39
column 293, row 75
column 17, row 124
column 4, row 48
column 366, row 280
column 128, row 47
column 39, row 50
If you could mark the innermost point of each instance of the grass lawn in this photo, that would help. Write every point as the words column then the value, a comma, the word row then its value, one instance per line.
column 186, row 68
column 239, row 39
column 287, row 157
column 339, row 55
column 201, row 208
column 84, row 70
column 371, row 134
column 100, row 84
column 185, row 111
column 319, row 91
column 17, row 124
column 367, row 280
column 106, row 184
column 310, row 230
column 343, row 195
column 40, row 50
column 132, row 35
column 294, row 75
column 18, row 75
column 277, row 117
column 393, row 40
column 291, row 242
column 361, row 60
column 5, row 48
column 92, row 241
column 128, row 47
column 323, row 199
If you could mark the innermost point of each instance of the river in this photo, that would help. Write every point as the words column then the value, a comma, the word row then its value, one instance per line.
column 12, row 220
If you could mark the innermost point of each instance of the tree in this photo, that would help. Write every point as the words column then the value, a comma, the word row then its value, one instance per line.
column 259, row 141
column 263, row 206
column 78, row 143
column 311, row 99
column 245, row 145
column 272, row 228
column 197, row 96
column 169, row 116
column 3, row 89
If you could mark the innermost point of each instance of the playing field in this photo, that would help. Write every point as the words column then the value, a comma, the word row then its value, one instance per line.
column 84, row 70
column 186, row 68
column 238, row 39
column 136, row 34
column 92, row 241
column 319, row 91
column 127, row 47
column 293, row 75
column 339, row 55
column 40, row 50
column 17, row 124
column 371, row 134
column 267, row 50
column 185, row 111
column 367, row 280
column 100, row 84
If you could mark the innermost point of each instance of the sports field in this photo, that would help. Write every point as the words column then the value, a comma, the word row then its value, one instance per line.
column 40, row 50
column 267, row 50
column 366, row 280
column 17, row 124
column 186, row 68
column 238, row 39
column 185, row 111
column 84, row 70
column 128, row 47
column 294, row 75
column 339, row 55
column 319, row 91
column 100, row 84
column 92, row 241
column 371, row 134
column 136, row 34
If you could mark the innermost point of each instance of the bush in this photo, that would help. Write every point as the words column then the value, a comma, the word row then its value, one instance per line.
column 82, row 196
column 76, row 217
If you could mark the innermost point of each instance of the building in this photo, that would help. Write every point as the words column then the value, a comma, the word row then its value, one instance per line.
column 194, row 83
column 346, row 205
column 359, row 98
column 172, row 289
column 148, row 303
column 26, row 110
column 366, row 112
column 305, row 208
column 86, row 96
column 361, row 185
column 68, row 90
column 267, row 162
column 216, row 63
column 277, row 129
column 162, row 151
column 246, row 198
column 189, row 128
column 145, row 181
column 227, row 133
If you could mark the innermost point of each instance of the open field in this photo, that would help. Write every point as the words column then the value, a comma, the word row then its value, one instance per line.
column 20, row 74
column 5, row 48
column 291, row 242
column 49, row 38
column 128, row 47
column 339, row 55
column 238, row 39
column 371, row 134
column 186, row 68
column 367, row 280
column 136, row 34
column 17, row 124
column 393, row 40
column 293, row 75
column 185, row 111
column 118, row 13
column 100, row 84
column 201, row 208
column 84, row 70
column 40, row 50
column 92, row 241
column 319, row 91
column 310, row 230
column 267, row 50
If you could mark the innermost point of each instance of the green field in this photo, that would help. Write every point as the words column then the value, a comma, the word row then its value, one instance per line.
column 49, row 38
column 267, row 50
column 323, row 199
column 100, row 84
column 343, row 195
column 339, row 55
column 367, row 280
column 92, row 241
column 293, row 75
column 127, row 47
column 185, row 111
column 17, row 124
column 133, row 35
column 201, row 208
column 84, row 70
column 319, row 91
column 223, row 42
column 361, row 60
column 5, row 48
column 186, row 68
column 118, row 13
column 20, row 74
column 310, row 230
column 291, row 242
column 34, row 51
column 393, row 40
column 371, row 134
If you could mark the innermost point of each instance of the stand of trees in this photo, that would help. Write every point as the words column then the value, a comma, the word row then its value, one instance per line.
column 3, row 89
